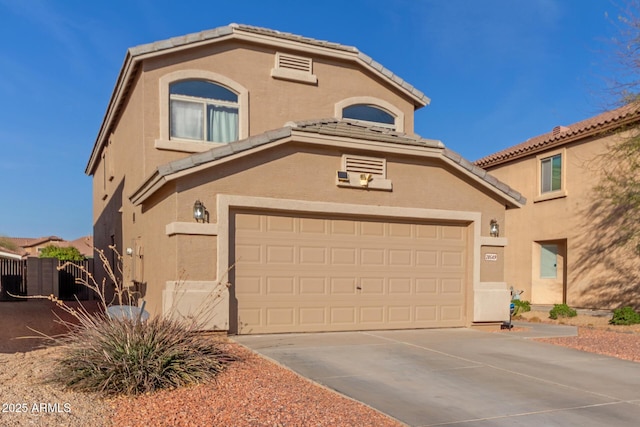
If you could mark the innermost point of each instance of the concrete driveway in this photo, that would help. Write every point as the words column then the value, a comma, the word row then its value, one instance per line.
column 465, row 377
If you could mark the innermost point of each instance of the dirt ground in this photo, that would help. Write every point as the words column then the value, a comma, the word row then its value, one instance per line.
column 19, row 321
column 595, row 319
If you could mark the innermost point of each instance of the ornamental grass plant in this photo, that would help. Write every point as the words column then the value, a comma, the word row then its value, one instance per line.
column 129, row 356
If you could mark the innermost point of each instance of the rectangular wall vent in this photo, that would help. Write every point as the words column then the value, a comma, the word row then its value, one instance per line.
column 361, row 164
column 293, row 68
column 292, row 62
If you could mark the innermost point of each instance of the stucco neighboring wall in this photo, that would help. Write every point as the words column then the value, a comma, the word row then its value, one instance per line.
column 591, row 271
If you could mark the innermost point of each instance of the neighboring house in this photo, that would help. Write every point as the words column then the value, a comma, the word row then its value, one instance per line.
column 32, row 246
column 313, row 198
column 7, row 253
column 562, row 243
column 84, row 245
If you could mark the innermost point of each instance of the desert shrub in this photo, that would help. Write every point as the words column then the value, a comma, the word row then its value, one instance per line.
column 562, row 310
column 119, row 355
column 625, row 316
column 63, row 253
column 521, row 306
column 124, row 356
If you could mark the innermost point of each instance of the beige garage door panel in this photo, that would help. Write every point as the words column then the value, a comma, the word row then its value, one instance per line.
column 298, row 274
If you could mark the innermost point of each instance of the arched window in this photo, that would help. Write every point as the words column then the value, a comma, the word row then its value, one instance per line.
column 203, row 111
column 369, row 113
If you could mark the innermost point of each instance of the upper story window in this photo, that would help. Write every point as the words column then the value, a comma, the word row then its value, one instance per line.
column 199, row 109
column 371, row 111
column 203, row 111
column 551, row 174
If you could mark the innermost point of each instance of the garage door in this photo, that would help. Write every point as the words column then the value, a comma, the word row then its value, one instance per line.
column 304, row 274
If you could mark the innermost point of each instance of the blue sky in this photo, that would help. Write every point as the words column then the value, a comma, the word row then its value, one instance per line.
column 497, row 71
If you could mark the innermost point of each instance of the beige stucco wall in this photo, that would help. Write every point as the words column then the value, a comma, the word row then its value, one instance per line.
column 295, row 171
column 591, row 273
column 131, row 154
column 303, row 173
column 272, row 102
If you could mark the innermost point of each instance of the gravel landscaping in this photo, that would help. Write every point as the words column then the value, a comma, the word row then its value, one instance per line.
column 252, row 391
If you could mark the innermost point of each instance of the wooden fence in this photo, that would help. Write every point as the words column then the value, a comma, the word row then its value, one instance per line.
column 40, row 276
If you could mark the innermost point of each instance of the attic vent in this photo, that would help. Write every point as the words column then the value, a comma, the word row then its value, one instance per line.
column 559, row 129
column 360, row 164
column 293, row 62
column 293, row 68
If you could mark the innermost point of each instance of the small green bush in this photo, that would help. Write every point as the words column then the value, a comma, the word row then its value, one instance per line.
column 124, row 356
column 521, row 306
column 63, row 253
column 562, row 310
column 625, row 316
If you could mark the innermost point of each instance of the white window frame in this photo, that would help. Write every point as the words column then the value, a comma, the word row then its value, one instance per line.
column 555, row 194
column 397, row 113
column 203, row 103
column 165, row 142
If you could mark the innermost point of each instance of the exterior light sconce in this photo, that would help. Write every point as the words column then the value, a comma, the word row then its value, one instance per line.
column 364, row 179
column 494, row 228
column 200, row 213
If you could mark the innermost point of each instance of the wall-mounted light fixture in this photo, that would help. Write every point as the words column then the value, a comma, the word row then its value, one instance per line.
column 200, row 212
column 494, row 228
column 364, row 179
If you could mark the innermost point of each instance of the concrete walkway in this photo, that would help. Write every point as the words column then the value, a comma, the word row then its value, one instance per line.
column 463, row 377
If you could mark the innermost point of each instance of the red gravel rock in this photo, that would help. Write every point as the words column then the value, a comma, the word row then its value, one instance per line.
column 617, row 344
column 250, row 392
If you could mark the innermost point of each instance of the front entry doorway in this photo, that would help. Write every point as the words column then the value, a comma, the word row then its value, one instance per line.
column 549, row 272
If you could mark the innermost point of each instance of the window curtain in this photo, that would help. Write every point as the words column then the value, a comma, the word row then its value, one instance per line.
column 223, row 124
column 186, row 120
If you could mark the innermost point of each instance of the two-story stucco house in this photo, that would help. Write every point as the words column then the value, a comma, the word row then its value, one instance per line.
column 562, row 244
column 284, row 172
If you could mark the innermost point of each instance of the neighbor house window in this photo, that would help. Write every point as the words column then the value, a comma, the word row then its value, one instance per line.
column 203, row 111
column 548, row 261
column 551, row 174
column 369, row 114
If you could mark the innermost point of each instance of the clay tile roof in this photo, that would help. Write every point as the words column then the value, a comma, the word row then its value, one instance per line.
column 84, row 245
column 355, row 129
column 561, row 135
